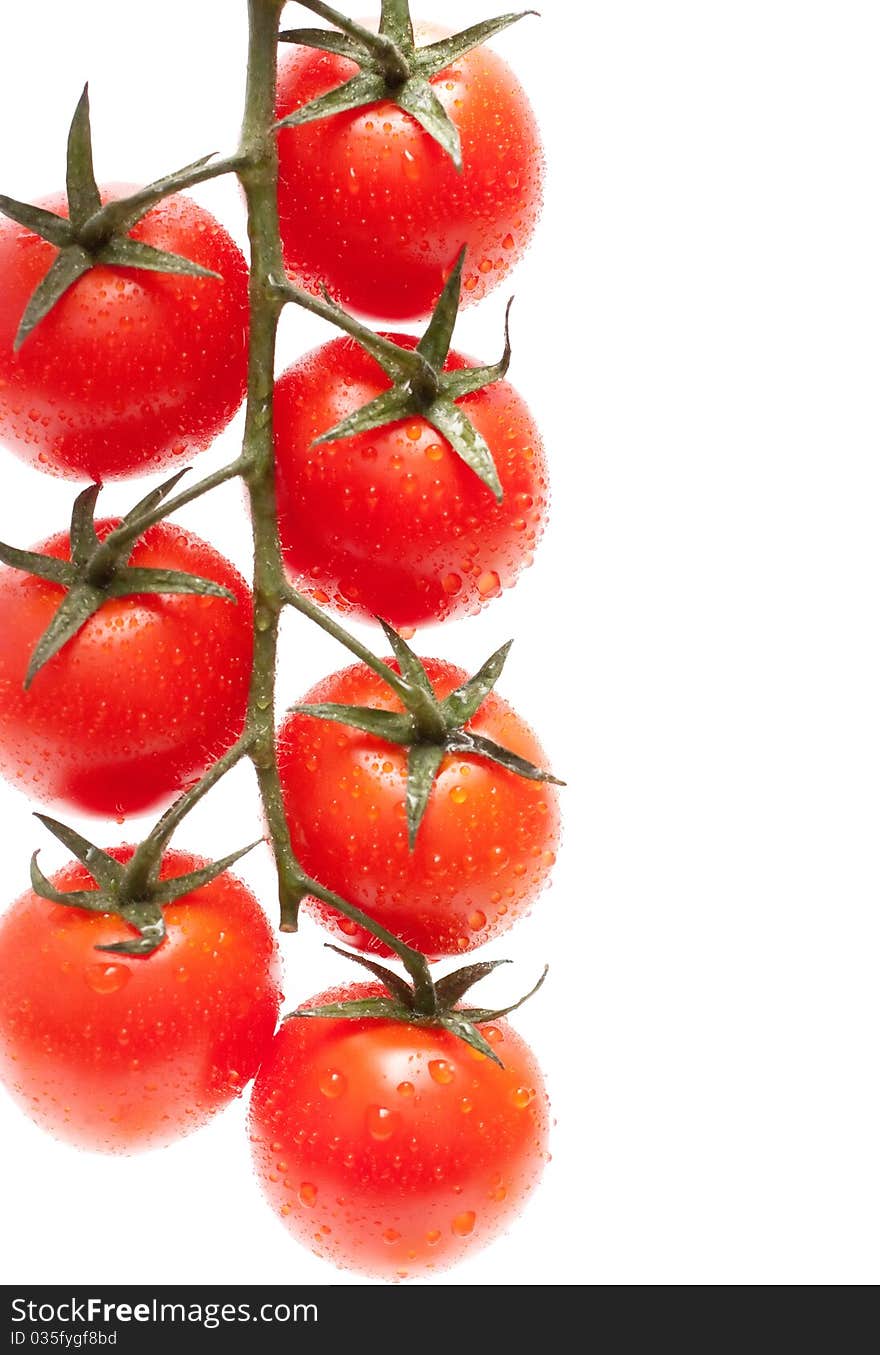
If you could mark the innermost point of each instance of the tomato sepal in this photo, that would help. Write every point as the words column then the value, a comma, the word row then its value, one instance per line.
column 397, row 987
column 420, row 386
column 405, row 1006
column 463, row 704
column 392, row 67
column 436, row 56
column 97, row 570
column 94, row 234
column 326, row 40
column 121, row 891
column 48, row 225
column 431, row 728
column 463, row 741
column 386, row 724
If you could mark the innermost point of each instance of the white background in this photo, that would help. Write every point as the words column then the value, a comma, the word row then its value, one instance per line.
column 697, row 331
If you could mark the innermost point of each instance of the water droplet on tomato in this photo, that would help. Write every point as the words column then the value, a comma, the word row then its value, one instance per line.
column 458, row 795
column 405, row 1089
column 463, row 1224
column 381, row 1123
column 489, row 584
column 441, row 1071
column 308, row 1194
column 522, row 1097
column 333, row 1084
column 107, row 978
column 477, row 920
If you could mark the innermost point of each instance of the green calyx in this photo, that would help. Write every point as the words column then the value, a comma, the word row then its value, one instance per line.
column 93, row 234
column 434, row 1005
column 421, row 388
column 132, row 892
column 430, row 727
column 98, row 570
column 391, row 66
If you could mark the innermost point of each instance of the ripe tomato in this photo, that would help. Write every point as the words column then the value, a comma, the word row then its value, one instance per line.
column 144, row 697
column 392, row 523
column 394, row 1149
column 131, row 370
column 485, row 846
column 373, row 208
column 118, row 1053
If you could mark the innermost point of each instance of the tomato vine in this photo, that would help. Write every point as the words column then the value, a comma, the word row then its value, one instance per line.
column 97, row 232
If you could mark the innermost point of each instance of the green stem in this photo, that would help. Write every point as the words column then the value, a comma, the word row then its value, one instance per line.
column 306, row 607
column 413, row 961
column 124, row 213
column 257, row 166
column 259, row 178
column 126, row 535
column 143, row 869
column 409, row 362
column 395, row 65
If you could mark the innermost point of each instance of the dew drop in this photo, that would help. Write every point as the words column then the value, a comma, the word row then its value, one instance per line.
column 405, row 1089
column 463, row 1224
column 308, row 1194
column 441, row 1072
column 477, row 920
column 489, row 584
column 333, row 1084
column 381, row 1123
column 107, row 978
column 522, row 1097
column 458, row 795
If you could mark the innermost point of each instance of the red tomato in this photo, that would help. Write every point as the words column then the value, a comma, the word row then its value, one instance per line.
column 131, row 370
column 485, row 846
column 145, row 696
column 118, row 1053
column 394, row 1149
column 392, row 523
column 374, row 209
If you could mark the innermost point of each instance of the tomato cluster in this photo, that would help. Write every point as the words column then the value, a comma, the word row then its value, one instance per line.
column 389, row 1136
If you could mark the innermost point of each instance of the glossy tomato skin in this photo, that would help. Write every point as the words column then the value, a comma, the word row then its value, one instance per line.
column 117, row 1053
column 145, row 696
column 485, row 847
column 131, row 371
column 372, row 207
column 392, row 523
column 391, row 1149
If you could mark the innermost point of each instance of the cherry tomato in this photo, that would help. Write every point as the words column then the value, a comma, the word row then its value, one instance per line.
column 131, row 370
column 392, row 523
column 119, row 1053
column 394, row 1149
column 372, row 207
column 484, row 848
column 145, row 696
